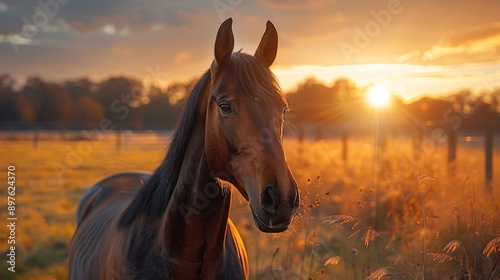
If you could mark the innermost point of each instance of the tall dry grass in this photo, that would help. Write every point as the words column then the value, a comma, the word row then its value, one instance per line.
column 389, row 217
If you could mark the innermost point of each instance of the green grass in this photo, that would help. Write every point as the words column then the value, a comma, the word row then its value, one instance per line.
column 363, row 218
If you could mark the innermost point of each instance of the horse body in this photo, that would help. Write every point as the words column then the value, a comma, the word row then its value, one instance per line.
column 102, row 258
column 174, row 223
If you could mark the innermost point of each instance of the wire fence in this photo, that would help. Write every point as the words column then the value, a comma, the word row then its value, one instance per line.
column 124, row 140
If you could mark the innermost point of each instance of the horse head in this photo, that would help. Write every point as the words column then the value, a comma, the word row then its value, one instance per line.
column 244, row 129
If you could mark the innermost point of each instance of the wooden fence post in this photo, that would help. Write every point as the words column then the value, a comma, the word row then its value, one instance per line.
column 344, row 145
column 128, row 136
column 452, row 145
column 317, row 132
column 488, row 155
column 118, row 140
column 35, row 138
column 62, row 131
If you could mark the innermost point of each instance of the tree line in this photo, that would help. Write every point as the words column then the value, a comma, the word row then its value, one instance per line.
column 345, row 102
column 127, row 103
column 83, row 103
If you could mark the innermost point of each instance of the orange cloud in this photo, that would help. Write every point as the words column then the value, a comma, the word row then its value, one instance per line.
column 292, row 5
column 83, row 27
column 182, row 57
column 121, row 50
column 484, row 39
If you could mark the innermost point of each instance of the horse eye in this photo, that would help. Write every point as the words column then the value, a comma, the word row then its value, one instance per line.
column 225, row 108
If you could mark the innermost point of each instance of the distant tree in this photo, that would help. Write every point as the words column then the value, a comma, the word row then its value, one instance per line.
column 165, row 106
column 431, row 110
column 495, row 100
column 318, row 103
column 8, row 106
column 80, row 87
column 177, row 92
column 160, row 113
column 120, row 97
column 127, row 103
column 464, row 102
column 345, row 89
column 14, row 106
column 478, row 112
column 88, row 112
column 6, row 84
column 52, row 101
column 460, row 110
column 9, row 111
column 26, row 109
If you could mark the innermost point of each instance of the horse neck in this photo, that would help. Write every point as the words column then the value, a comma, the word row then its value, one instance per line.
column 195, row 222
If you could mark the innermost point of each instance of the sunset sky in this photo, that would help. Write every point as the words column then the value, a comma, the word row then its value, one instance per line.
column 409, row 46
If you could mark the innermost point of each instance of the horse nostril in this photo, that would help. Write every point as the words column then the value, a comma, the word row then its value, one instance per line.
column 270, row 199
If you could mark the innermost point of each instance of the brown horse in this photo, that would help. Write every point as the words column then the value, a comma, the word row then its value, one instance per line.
column 173, row 224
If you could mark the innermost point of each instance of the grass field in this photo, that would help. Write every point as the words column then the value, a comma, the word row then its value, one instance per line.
column 395, row 215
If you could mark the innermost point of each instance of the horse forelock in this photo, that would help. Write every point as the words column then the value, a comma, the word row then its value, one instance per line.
column 251, row 77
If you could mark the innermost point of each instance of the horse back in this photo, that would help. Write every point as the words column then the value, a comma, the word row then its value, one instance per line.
column 108, row 188
column 97, row 216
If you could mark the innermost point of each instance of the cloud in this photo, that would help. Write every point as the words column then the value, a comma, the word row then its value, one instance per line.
column 91, row 15
column 182, row 57
column 293, row 5
column 11, row 17
column 121, row 50
column 105, row 37
column 16, row 39
column 410, row 56
column 86, row 18
column 3, row 7
column 477, row 40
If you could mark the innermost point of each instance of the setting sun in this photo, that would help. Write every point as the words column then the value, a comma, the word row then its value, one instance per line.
column 378, row 96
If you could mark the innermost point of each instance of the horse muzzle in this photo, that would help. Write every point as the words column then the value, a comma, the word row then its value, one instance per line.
column 275, row 211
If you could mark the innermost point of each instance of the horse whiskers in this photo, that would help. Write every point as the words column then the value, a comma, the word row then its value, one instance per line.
column 294, row 227
column 303, row 208
column 292, row 230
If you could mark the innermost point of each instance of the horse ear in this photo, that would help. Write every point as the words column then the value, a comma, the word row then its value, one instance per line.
column 268, row 46
column 224, row 43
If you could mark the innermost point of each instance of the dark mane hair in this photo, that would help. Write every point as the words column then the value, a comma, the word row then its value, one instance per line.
column 247, row 71
column 154, row 196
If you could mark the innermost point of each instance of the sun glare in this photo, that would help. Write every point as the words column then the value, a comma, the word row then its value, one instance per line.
column 378, row 96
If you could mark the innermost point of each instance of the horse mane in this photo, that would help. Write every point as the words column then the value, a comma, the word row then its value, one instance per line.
column 246, row 71
column 153, row 197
